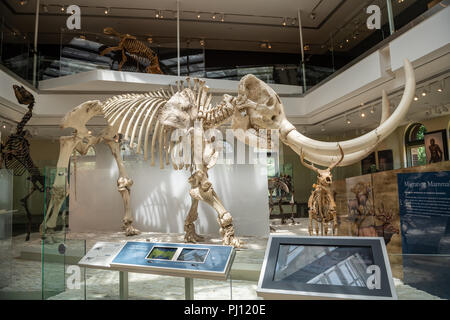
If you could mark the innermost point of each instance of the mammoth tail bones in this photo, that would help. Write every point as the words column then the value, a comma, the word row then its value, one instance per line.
column 145, row 120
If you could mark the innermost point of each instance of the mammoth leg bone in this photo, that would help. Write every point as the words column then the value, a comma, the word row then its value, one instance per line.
column 189, row 227
column 124, row 184
column 58, row 191
column 202, row 190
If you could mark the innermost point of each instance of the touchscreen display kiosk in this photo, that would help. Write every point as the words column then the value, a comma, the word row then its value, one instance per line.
column 326, row 267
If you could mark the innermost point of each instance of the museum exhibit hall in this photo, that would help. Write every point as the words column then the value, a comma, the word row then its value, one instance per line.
column 225, row 150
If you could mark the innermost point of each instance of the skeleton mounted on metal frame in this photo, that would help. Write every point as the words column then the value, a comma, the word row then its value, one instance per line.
column 16, row 153
column 321, row 204
column 129, row 44
column 283, row 186
column 256, row 108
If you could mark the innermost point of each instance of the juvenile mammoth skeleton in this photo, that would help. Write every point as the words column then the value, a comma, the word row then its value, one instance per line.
column 133, row 117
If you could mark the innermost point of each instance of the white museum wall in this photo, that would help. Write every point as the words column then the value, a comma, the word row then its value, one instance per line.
column 160, row 197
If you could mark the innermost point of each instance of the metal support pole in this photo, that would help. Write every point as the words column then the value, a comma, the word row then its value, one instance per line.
column 36, row 30
column 302, row 50
column 188, row 288
column 390, row 16
column 178, row 37
column 123, row 285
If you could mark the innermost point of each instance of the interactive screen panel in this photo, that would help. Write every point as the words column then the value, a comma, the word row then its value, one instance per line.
column 161, row 253
column 193, row 255
column 326, row 267
column 176, row 259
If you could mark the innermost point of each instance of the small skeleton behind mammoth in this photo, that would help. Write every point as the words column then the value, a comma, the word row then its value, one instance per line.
column 321, row 203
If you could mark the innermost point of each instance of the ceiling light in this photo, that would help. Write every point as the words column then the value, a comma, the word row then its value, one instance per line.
column 150, row 39
column 284, row 22
column 346, row 40
column 62, row 9
column 347, row 119
column 372, row 110
column 223, row 17
column 416, row 98
column 157, row 14
column 107, row 11
column 198, row 15
column 312, row 15
column 45, row 8
column 440, row 87
column 323, row 128
column 214, row 16
column 23, row 2
column 363, row 115
column 269, row 46
column 424, row 93
column 263, row 45
column 306, row 47
column 202, row 42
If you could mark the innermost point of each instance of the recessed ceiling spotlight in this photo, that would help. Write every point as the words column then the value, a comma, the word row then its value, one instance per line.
column 440, row 87
column 63, row 9
column 107, row 10
column 346, row 40
column 347, row 120
column 283, row 23
column 198, row 15
column 214, row 16
column 416, row 98
column 362, row 114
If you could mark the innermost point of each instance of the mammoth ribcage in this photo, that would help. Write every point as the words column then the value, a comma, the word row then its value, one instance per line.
column 136, row 117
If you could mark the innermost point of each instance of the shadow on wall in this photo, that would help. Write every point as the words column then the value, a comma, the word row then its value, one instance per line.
column 160, row 198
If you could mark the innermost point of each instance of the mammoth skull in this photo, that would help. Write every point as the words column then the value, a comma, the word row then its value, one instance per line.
column 257, row 107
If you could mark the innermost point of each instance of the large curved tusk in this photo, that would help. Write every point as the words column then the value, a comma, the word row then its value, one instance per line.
column 370, row 138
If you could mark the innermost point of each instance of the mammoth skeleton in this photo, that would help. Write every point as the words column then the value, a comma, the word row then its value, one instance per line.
column 134, row 118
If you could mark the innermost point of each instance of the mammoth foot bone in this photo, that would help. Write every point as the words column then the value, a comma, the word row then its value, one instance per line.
column 191, row 236
column 129, row 229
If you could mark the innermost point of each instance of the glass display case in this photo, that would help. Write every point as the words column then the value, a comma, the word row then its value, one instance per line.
column 6, row 212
